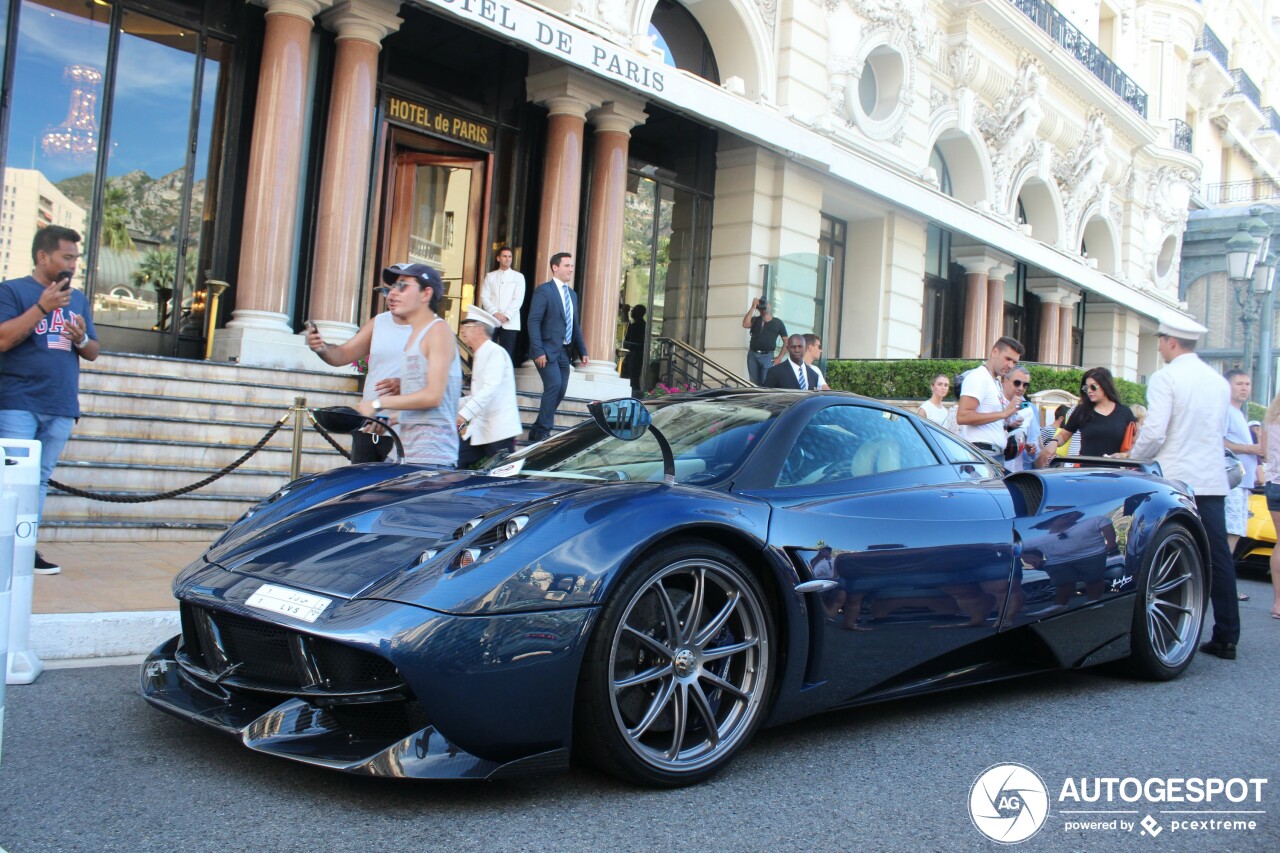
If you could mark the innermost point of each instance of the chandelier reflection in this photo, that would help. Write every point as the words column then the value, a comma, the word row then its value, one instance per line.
column 77, row 136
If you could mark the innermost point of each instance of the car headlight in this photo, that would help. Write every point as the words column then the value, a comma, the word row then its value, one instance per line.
column 514, row 526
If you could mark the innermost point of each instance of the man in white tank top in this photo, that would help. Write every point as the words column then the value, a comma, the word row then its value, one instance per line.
column 380, row 340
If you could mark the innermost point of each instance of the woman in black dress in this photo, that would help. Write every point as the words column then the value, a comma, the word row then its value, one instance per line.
column 1100, row 418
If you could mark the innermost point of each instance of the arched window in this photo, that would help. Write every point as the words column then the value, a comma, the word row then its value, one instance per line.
column 939, row 165
column 682, row 40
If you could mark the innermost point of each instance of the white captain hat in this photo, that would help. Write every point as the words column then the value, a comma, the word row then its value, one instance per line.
column 1181, row 327
column 476, row 314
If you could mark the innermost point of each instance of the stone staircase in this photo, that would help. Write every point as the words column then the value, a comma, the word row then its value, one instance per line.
column 151, row 424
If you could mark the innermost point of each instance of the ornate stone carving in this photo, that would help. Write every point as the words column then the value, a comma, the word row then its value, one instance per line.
column 769, row 13
column 962, row 63
column 938, row 99
column 612, row 14
column 1010, row 128
column 1169, row 191
column 1080, row 173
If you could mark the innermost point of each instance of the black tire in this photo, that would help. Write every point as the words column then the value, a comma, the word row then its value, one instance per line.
column 1173, row 595
column 664, row 700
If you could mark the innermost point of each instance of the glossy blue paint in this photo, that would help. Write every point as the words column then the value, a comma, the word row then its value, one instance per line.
column 947, row 574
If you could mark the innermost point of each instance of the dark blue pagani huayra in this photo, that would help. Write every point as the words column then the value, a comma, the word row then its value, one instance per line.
column 648, row 595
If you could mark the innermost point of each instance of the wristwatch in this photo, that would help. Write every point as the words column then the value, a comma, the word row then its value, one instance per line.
column 377, row 405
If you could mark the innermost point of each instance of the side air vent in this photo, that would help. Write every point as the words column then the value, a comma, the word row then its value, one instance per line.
column 1027, row 491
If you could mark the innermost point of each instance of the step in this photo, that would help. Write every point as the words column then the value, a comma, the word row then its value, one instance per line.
column 274, row 457
column 161, row 366
column 114, row 477
column 193, row 507
column 227, row 393
column 166, row 428
column 155, row 530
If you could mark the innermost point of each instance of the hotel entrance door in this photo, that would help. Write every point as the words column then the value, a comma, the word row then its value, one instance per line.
column 436, row 216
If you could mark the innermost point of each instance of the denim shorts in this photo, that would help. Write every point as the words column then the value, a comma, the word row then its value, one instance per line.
column 1273, row 497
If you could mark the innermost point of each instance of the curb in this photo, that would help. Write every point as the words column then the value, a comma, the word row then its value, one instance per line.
column 58, row 636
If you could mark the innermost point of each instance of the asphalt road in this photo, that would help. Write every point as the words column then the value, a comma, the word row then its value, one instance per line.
column 87, row 765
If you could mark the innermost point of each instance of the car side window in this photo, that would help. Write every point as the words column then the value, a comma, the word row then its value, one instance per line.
column 956, row 451
column 845, row 442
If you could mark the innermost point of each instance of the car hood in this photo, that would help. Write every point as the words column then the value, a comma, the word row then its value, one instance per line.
column 343, row 545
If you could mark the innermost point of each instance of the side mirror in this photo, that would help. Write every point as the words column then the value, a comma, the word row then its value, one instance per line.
column 625, row 419
column 343, row 420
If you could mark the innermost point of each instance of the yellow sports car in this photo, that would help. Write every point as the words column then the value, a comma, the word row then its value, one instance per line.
column 1253, row 551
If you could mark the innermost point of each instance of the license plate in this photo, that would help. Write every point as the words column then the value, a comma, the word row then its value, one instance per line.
column 290, row 602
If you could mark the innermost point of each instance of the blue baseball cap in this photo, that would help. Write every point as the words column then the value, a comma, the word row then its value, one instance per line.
column 425, row 275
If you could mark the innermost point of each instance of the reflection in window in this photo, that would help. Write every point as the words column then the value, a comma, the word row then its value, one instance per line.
column 684, row 45
column 155, row 134
column 845, row 442
column 56, row 112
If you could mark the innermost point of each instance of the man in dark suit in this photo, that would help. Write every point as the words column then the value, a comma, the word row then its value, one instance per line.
column 793, row 373
column 555, row 338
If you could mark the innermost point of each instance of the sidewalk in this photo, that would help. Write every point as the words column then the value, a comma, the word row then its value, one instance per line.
column 111, row 599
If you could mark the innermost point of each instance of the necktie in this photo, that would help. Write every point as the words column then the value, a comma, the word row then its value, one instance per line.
column 801, row 374
column 568, row 314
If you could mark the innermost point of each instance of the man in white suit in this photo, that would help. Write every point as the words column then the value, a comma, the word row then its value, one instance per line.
column 502, row 294
column 488, row 418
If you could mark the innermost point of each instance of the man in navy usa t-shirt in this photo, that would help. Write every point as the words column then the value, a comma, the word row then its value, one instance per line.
column 45, row 329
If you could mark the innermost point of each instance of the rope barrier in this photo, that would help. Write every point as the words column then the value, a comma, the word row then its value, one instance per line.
column 327, row 437
column 137, row 499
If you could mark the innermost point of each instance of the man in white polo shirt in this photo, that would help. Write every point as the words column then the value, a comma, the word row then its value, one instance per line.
column 982, row 408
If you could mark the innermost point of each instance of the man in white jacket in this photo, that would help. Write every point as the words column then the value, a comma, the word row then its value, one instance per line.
column 501, row 295
column 1187, row 402
column 488, row 418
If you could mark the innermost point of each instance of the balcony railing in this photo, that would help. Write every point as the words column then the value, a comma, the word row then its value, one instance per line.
column 1245, row 86
column 1088, row 54
column 1273, row 120
column 1181, row 133
column 1241, row 192
column 1209, row 42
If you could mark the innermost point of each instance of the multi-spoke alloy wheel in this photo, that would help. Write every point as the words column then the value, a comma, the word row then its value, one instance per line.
column 679, row 671
column 1171, row 605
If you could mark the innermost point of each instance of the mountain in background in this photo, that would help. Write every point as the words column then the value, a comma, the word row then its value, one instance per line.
column 154, row 203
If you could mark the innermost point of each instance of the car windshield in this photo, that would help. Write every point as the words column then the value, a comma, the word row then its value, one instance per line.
column 709, row 439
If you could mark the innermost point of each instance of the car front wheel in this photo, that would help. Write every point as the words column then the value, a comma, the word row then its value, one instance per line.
column 1172, row 596
column 678, row 674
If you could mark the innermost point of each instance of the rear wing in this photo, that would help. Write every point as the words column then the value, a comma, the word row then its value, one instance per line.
column 1146, row 466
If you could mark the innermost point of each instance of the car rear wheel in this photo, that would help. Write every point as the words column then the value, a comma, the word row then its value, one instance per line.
column 677, row 676
column 1172, row 597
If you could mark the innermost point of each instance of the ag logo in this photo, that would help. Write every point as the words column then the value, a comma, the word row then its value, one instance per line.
column 1008, row 803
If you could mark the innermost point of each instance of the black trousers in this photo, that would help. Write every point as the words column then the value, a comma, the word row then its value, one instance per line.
column 506, row 338
column 1226, row 606
column 469, row 454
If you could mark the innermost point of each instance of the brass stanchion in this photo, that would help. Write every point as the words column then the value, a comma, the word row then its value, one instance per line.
column 299, row 422
column 214, row 289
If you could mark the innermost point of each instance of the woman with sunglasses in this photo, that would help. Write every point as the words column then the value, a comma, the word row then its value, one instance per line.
column 1100, row 418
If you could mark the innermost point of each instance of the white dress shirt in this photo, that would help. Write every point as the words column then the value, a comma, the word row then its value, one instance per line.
column 1187, row 404
column 502, row 291
column 491, row 406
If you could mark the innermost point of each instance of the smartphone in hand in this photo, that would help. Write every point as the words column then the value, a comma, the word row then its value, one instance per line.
column 65, row 278
column 312, row 326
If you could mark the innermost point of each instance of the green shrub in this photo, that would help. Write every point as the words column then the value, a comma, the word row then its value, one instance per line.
column 908, row 379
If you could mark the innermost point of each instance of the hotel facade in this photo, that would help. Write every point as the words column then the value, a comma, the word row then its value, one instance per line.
column 905, row 178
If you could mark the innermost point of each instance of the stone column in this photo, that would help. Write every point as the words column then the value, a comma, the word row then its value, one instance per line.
column 601, row 280
column 568, row 97
column 361, row 26
column 995, row 300
column 1066, row 315
column 1051, row 291
column 975, row 313
column 259, row 331
column 980, row 263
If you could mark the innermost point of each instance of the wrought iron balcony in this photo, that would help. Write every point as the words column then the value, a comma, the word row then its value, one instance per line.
column 1181, row 133
column 1245, row 86
column 1088, row 54
column 1273, row 120
column 1209, row 42
column 1242, row 192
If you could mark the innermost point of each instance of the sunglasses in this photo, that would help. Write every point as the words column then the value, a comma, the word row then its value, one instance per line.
column 1018, row 383
column 398, row 287
column 1089, row 386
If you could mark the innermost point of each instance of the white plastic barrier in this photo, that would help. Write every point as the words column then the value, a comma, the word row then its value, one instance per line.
column 22, row 477
column 8, row 523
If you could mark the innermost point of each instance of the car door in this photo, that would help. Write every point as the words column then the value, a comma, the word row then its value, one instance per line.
column 921, row 555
